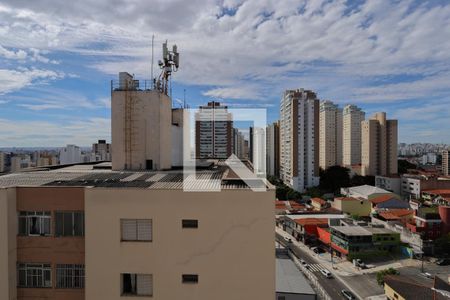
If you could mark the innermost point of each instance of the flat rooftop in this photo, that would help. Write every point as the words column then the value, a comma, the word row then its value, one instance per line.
column 352, row 230
column 289, row 279
column 214, row 176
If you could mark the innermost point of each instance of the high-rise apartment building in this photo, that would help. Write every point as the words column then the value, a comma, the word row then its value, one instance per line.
column 213, row 131
column 239, row 144
column 2, row 162
column 102, row 149
column 141, row 127
column 299, row 139
column 73, row 233
column 273, row 149
column 330, row 135
column 379, row 140
column 445, row 163
column 71, row 154
column 352, row 117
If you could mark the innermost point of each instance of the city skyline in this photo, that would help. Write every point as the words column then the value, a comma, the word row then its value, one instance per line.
column 56, row 63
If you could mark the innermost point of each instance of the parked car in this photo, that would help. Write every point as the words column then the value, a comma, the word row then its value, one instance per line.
column 326, row 273
column 361, row 264
column 348, row 295
column 317, row 250
column 443, row 262
column 427, row 275
column 287, row 239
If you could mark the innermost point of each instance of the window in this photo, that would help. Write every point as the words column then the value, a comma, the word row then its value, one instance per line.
column 137, row 284
column 190, row 223
column 69, row 276
column 69, row 223
column 34, row 275
column 190, row 278
column 34, row 223
column 281, row 298
column 136, row 230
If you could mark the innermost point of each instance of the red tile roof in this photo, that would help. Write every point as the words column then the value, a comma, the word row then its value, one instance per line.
column 319, row 200
column 443, row 192
column 381, row 199
column 311, row 221
column 395, row 214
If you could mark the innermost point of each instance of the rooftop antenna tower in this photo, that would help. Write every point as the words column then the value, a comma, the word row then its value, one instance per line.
column 169, row 64
column 153, row 42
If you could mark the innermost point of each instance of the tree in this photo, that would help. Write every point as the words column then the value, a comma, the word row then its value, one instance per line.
column 333, row 178
column 381, row 274
column 404, row 165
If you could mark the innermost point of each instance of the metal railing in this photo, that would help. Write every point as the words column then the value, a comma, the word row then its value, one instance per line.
column 137, row 85
column 312, row 278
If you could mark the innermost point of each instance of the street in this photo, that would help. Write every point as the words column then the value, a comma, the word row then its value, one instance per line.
column 332, row 286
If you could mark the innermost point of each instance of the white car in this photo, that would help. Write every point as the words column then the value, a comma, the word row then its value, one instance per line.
column 326, row 273
column 427, row 275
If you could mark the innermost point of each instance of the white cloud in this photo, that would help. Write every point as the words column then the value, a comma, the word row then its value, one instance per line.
column 12, row 80
column 9, row 54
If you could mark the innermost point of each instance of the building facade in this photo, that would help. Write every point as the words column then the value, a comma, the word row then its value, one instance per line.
column 273, row 149
column 2, row 162
column 379, row 146
column 239, row 144
column 330, row 135
column 102, row 149
column 213, row 131
column 299, row 139
column 352, row 116
column 141, row 127
column 102, row 234
column 71, row 154
column 445, row 163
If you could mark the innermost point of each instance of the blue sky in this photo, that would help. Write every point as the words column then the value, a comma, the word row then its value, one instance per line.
column 57, row 60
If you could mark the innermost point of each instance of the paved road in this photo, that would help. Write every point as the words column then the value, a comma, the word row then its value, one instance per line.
column 332, row 286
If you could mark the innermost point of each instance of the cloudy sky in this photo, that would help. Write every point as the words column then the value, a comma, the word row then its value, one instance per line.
column 57, row 59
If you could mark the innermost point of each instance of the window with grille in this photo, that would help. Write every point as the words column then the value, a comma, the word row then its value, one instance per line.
column 34, row 223
column 136, row 284
column 189, row 278
column 189, row 223
column 69, row 223
column 136, row 230
column 31, row 275
column 69, row 276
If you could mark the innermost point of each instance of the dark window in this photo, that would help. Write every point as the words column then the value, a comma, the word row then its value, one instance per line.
column 69, row 276
column 190, row 278
column 34, row 275
column 137, row 284
column 69, row 223
column 34, row 223
column 190, row 223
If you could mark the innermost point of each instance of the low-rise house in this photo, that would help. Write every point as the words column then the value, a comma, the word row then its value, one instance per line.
column 401, row 215
column 306, row 229
column 400, row 287
column 319, row 204
column 361, row 242
column 366, row 192
column 390, row 201
column 441, row 197
column 430, row 222
column 352, row 206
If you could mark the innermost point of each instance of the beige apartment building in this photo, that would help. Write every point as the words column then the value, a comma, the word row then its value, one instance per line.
column 379, row 143
column 299, row 139
column 445, row 163
column 141, row 130
column 2, row 162
column 85, row 232
column 330, row 135
column 352, row 117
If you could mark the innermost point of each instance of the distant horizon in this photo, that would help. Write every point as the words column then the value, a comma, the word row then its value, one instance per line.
column 58, row 60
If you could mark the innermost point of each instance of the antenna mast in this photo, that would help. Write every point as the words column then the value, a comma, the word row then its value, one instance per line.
column 169, row 64
column 153, row 41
